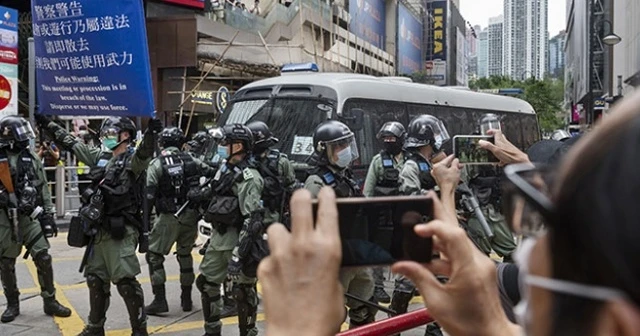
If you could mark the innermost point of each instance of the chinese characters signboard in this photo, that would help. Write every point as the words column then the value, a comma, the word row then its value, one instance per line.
column 409, row 42
column 368, row 20
column 8, row 61
column 92, row 58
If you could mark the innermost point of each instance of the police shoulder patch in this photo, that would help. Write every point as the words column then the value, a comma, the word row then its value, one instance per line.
column 328, row 178
column 423, row 166
column 247, row 174
column 102, row 162
column 387, row 163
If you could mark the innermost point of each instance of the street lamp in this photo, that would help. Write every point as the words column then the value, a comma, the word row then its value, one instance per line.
column 610, row 39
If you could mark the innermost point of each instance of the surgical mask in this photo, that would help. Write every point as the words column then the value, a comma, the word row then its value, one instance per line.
column 110, row 143
column 223, row 152
column 344, row 158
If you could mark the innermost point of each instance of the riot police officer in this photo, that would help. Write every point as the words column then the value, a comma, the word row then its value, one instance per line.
column 383, row 180
column 275, row 168
column 115, row 213
column 560, row 135
column 27, row 219
column 170, row 176
column 334, row 150
column 198, row 144
column 426, row 136
column 236, row 244
column 484, row 181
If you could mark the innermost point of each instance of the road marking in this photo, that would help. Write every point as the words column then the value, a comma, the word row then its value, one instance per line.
column 71, row 325
column 178, row 327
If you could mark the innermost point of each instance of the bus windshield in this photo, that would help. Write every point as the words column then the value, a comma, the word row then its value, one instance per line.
column 292, row 120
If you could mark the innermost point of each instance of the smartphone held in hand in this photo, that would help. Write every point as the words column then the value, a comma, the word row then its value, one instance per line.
column 466, row 148
column 379, row 230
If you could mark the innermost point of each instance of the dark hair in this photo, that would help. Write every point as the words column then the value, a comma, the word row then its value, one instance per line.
column 594, row 238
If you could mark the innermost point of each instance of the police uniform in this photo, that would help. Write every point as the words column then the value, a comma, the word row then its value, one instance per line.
column 237, row 191
column 114, row 256
column 169, row 177
column 355, row 281
column 26, row 168
column 279, row 180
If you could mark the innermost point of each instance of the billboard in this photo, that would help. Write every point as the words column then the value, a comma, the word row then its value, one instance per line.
column 368, row 20
column 437, row 42
column 190, row 3
column 409, row 53
column 436, row 72
column 92, row 59
column 8, row 61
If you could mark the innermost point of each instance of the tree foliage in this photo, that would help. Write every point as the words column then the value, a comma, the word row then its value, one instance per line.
column 546, row 97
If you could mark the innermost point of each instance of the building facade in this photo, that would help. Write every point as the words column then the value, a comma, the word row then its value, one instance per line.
column 525, row 38
column 483, row 54
column 556, row 56
column 495, row 44
column 626, row 55
column 445, row 45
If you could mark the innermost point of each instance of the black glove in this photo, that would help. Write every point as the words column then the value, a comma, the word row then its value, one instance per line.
column 155, row 125
column 4, row 199
column 48, row 224
column 234, row 269
column 42, row 120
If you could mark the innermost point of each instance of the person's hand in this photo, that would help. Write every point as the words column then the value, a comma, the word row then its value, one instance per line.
column 155, row 125
column 469, row 303
column 504, row 150
column 42, row 120
column 234, row 269
column 447, row 173
column 301, row 274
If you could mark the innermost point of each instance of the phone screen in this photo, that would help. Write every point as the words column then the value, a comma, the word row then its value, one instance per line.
column 379, row 230
column 467, row 150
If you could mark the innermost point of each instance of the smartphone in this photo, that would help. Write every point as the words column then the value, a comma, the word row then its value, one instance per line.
column 467, row 150
column 379, row 230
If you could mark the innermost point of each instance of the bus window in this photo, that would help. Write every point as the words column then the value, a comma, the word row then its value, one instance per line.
column 292, row 121
column 377, row 113
column 456, row 120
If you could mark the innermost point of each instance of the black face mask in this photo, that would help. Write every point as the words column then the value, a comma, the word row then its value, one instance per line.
column 393, row 148
column 19, row 146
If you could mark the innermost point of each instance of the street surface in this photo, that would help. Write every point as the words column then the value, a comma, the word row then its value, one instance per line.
column 73, row 293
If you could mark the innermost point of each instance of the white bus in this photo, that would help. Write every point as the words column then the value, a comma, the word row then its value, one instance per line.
column 295, row 103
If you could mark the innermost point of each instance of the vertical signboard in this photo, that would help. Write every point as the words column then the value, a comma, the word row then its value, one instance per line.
column 461, row 62
column 368, row 20
column 8, row 61
column 92, row 58
column 437, row 46
column 410, row 59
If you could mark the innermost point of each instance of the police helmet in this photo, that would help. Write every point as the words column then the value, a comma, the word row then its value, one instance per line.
column 15, row 129
column 262, row 135
column 216, row 133
column 489, row 121
column 237, row 133
column 330, row 137
column 425, row 130
column 199, row 141
column 392, row 128
column 560, row 135
column 113, row 126
column 171, row 137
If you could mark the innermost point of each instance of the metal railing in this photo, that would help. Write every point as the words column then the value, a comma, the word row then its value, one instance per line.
column 67, row 195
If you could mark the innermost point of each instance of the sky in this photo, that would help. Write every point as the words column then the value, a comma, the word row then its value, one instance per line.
column 478, row 12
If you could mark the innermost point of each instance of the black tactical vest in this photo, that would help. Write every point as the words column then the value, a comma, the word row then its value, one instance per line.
column 121, row 190
column 178, row 173
column 96, row 172
column 24, row 174
column 486, row 186
column 273, row 189
column 390, row 183
column 342, row 183
column 427, row 182
column 224, row 208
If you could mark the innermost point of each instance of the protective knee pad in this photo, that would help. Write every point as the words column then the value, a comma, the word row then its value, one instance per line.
column 94, row 282
column 7, row 264
column 186, row 263
column 42, row 259
column 154, row 260
column 127, row 288
column 200, row 282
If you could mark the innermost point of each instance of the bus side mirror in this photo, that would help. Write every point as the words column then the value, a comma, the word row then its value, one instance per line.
column 354, row 118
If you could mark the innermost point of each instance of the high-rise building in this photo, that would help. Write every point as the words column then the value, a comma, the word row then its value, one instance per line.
column 525, row 38
column 483, row 54
column 495, row 41
column 556, row 55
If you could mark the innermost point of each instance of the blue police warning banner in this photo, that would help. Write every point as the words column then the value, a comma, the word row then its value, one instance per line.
column 437, row 45
column 92, row 58
column 368, row 20
column 409, row 42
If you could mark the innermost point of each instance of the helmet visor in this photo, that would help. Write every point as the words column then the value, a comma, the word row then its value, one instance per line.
column 110, row 132
column 487, row 125
column 338, row 146
column 440, row 134
column 24, row 132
